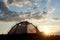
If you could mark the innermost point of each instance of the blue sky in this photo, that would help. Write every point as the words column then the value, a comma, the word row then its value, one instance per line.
column 45, row 13
column 56, row 5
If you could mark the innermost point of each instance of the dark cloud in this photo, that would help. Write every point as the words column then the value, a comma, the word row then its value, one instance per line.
column 56, row 18
column 3, row 8
column 10, row 1
column 6, row 14
column 40, row 15
column 37, row 15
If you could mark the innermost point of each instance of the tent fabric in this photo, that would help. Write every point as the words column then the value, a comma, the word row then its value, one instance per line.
column 23, row 27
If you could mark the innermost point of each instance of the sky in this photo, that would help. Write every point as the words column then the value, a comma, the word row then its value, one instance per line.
column 42, row 13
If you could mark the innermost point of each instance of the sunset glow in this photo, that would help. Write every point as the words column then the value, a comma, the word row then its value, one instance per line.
column 46, row 31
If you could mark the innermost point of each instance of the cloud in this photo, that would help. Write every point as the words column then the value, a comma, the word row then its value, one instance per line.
column 5, row 1
column 36, row 15
column 9, row 1
column 22, row 16
column 3, row 7
column 56, row 18
column 27, row 2
column 51, row 10
column 7, row 15
column 47, row 21
column 19, row 3
column 49, row 1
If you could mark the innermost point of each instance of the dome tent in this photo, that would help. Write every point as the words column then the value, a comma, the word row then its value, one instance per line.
column 23, row 27
column 25, row 31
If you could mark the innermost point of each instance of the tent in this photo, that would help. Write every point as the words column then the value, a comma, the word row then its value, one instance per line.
column 23, row 27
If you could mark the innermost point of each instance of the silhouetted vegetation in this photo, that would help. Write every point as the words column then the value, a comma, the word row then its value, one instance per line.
column 29, row 37
column 54, row 37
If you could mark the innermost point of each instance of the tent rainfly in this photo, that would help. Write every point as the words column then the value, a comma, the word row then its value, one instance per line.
column 23, row 27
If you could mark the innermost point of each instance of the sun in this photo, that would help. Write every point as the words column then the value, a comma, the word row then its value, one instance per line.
column 46, row 30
